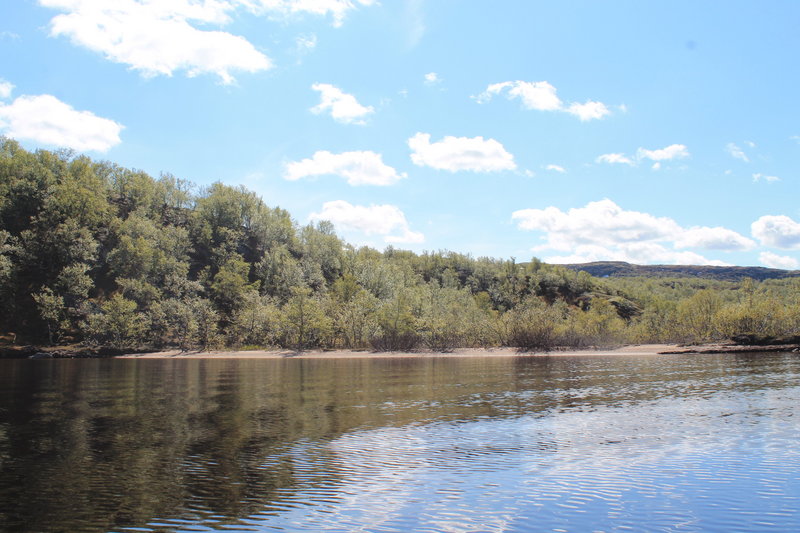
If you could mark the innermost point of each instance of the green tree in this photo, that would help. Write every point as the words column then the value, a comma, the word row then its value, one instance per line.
column 52, row 311
column 696, row 316
column 118, row 324
column 305, row 323
column 354, row 312
column 256, row 321
column 230, row 285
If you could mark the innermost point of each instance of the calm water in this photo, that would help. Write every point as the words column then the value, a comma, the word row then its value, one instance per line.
column 667, row 443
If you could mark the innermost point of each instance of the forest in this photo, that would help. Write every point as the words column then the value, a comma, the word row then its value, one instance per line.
column 95, row 254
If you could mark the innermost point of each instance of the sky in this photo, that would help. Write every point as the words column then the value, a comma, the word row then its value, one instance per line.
column 572, row 131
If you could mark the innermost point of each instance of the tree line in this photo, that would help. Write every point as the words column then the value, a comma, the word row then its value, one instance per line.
column 94, row 253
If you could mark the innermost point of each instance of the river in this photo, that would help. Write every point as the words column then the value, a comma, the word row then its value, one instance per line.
column 514, row 444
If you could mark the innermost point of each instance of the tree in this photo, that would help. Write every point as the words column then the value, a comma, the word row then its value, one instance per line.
column 305, row 322
column 207, row 320
column 354, row 312
column 398, row 323
column 696, row 315
column 254, row 322
column 230, row 285
column 118, row 324
column 52, row 312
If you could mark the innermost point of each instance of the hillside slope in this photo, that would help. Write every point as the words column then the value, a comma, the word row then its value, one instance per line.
column 602, row 269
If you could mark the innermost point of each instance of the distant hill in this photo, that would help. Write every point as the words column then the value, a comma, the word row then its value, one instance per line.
column 603, row 269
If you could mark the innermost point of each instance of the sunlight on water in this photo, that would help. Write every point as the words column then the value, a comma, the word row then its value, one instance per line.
column 658, row 466
column 543, row 444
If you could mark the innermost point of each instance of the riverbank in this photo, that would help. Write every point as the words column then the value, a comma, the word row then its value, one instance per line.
column 77, row 352
column 644, row 349
column 628, row 350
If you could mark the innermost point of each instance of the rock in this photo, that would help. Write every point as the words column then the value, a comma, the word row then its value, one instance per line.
column 41, row 355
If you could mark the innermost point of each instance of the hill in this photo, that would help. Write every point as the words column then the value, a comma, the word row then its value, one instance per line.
column 615, row 269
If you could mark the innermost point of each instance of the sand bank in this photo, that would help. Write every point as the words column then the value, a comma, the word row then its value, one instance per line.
column 633, row 350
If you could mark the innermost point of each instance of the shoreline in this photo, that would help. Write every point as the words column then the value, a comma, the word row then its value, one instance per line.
column 639, row 350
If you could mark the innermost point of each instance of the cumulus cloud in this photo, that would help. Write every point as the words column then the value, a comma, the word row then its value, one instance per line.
column 336, row 9
column 778, row 231
column 778, row 261
column 156, row 37
column 386, row 220
column 736, row 152
column 604, row 231
column 431, row 78
column 460, row 153
column 637, row 253
column 614, row 159
column 358, row 168
column 47, row 120
column 601, row 223
column 589, row 110
column 673, row 151
column 538, row 95
column 717, row 238
column 5, row 88
column 764, row 177
column 541, row 96
column 342, row 107
column 556, row 168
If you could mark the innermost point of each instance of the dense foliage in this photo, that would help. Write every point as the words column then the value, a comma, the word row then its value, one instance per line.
column 95, row 253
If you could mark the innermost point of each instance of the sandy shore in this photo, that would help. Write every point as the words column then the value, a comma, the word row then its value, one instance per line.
column 633, row 350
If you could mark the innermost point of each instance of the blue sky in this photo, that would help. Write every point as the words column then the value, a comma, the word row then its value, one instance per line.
column 652, row 132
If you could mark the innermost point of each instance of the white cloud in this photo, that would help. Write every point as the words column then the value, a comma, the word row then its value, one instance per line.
column 306, row 43
column 431, row 78
column 604, row 231
column 556, row 168
column 538, row 95
column 460, row 153
column 717, row 238
column 614, row 159
column 157, row 37
column 673, row 151
column 778, row 261
column 589, row 110
column 343, row 107
column 337, row 9
column 736, row 152
column 162, row 36
column 358, row 168
column 47, row 120
column 387, row 221
column 601, row 223
column 541, row 96
column 759, row 177
column 778, row 231
column 637, row 253
column 5, row 88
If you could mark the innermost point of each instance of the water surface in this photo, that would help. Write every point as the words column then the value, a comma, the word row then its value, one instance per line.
column 662, row 443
